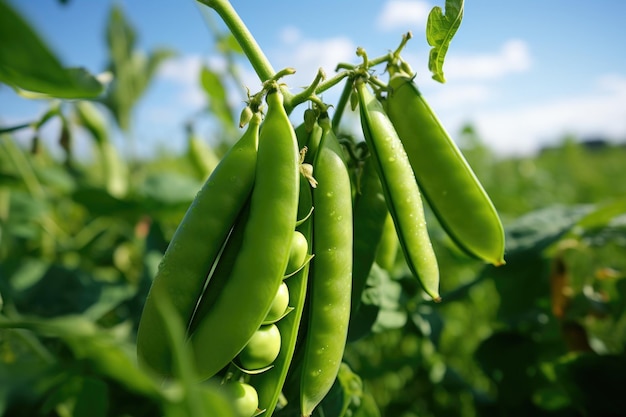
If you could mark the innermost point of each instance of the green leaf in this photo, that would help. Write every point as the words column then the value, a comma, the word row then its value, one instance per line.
column 602, row 216
column 228, row 44
column 132, row 70
column 27, row 63
column 344, row 396
column 218, row 102
column 440, row 30
column 522, row 282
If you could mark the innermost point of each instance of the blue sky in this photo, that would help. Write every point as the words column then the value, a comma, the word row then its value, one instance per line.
column 525, row 73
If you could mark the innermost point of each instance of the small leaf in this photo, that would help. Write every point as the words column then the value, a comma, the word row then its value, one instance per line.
column 229, row 44
column 440, row 30
column 218, row 102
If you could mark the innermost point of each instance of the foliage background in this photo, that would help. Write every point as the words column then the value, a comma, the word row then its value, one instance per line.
column 80, row 240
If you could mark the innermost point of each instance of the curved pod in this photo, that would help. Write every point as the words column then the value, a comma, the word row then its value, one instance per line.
column 195, row 246
column 258, row 270
column 447, row 181
column 401, row 191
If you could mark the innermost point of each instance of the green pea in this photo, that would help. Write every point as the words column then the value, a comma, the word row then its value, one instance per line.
column 401, row 191
column 446, row 179
column 299, row 249
column 195, row 246
column 260, row 265
column 279, row 305
column 243, row 398
column 331, row 276
column 262, row 348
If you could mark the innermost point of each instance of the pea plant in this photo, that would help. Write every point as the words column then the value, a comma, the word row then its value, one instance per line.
column 233, row 251
column 301, row 271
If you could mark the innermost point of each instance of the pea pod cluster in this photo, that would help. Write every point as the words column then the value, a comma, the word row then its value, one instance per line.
column 269, row 264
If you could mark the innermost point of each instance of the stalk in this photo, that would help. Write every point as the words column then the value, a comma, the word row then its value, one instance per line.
column 237, row 27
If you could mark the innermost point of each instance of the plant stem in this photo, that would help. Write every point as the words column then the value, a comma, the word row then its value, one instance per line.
column 317, row 87
column 250, row 47
column 9, row 129
column 343, row 101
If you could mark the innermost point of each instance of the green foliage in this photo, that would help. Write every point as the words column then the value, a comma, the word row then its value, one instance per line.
column 543, row 335
column 440, row 29
column 27, row 63
column 132, row 70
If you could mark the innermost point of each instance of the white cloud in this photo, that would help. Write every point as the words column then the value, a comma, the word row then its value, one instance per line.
column 290, row 35
column 308, row 55
column 403, row 14
column 513, row 57
column 185, row 72
column 182, row 69
column 525, row 129
column 460, row 96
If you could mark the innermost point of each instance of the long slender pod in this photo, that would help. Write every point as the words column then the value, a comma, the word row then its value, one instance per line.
column 331, row 272
column 401, row 191
column 269, row 383
column 196, row 245
column 370, row 211
column 258, row 270
column 446, row 179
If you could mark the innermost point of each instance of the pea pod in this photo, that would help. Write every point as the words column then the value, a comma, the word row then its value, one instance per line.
column 114, row 168
column 387, row 250
column 370, row 211
column 195, row 246
column 447, row 181
column 223, row 269
column 202, row 157
column 259, row 267
column 269, row 383
column 401, row 191
column 331, row 275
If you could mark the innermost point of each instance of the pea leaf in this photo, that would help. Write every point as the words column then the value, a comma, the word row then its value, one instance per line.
column 27, row 63
column 440, row 29
column 217, row 96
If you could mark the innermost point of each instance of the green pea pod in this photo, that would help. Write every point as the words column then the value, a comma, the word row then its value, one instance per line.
column 202, row 157
column 259, row 267
column 387, row 250
column 196, row 245
column 310, row 139
column 114, row 168
column 331, row 276
column 222, row 271
column 269, row 383
column 370, row 211
column 447, row 181
column 401, row 191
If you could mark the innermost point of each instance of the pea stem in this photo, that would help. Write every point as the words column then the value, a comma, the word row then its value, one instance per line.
column 343, row 101
column 237, row 27
column 318, row 86
column 10, row 129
